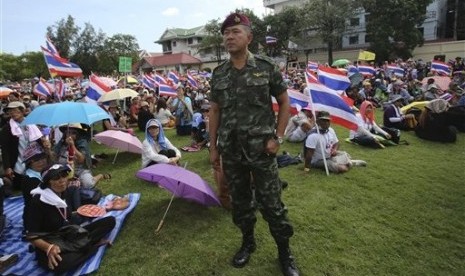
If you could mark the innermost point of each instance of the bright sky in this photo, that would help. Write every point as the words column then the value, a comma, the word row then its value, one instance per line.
column 24, row 23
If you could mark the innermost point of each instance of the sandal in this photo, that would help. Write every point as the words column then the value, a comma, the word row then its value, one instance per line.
column 106, row 176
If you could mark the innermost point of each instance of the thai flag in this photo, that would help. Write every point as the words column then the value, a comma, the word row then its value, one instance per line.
column 96, row 89
column 60, row 89
column 191, row 80
column 440, row 67
column 42, row 89
column 59, row 67
column 173, row 77
column 367, row 70
column 333, row 78
column 312, row 66
column 270, row 39
column 352, row 69
column 205, row 74
column 53, row 50
column 160, row 79
column 166, row 90
column 324, row 98
column 149, row 82
column 297, row 100
column 396, row 70
column 194, row 72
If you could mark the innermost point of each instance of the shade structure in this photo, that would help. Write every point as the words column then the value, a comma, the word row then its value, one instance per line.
column 118, row 94
column 66, row 113
column 120, row 140
column 441, row 81
column 181, row 182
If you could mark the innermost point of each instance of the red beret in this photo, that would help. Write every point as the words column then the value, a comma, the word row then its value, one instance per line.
column 235, row 19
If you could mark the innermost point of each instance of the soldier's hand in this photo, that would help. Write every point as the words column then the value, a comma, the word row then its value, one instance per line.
column 272, row 147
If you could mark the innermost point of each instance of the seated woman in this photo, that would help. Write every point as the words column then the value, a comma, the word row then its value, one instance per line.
column 433, row 124
column 49, row 212
column 116, row 121
column 368, row 132
column 156, row 148
column 163, row 114
column 74, row 148
column 394, row 118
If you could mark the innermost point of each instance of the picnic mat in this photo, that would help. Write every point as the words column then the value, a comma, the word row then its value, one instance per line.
column 11, row 240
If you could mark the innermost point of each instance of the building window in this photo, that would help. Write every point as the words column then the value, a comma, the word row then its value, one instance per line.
column 354, row 21
column 190, row 41
column 367, row 39
column 199, row 39
column 367, row 18
column 174, row 43
column 353, row 40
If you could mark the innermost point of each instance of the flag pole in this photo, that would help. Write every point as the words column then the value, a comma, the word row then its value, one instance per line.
column 317, row 130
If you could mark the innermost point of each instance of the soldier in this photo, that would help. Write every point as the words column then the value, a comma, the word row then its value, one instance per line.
column 244, row 131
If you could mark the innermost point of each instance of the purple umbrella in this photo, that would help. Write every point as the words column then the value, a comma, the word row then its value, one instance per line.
column 181, row 182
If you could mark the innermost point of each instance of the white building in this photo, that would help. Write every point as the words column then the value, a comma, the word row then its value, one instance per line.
column 355, row 35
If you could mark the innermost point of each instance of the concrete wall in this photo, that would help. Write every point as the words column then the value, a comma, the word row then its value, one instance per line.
column 426, row 52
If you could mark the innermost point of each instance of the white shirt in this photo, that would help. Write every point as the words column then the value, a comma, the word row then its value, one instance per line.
column 315, row 141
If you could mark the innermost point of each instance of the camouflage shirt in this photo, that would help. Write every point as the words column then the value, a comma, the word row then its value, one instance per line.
column 244, row 98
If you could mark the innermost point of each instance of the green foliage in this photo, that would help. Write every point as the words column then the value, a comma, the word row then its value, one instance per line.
column 114, row 47
column 393, row 29
column 283, row 26
column 214, row 39
column 63, row 34
column 87, row 46
column 328, row 18
column 403, row 214
column 27, row 65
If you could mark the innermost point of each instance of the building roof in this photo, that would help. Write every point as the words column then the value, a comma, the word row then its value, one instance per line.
column 172, row 59
column 182, row 33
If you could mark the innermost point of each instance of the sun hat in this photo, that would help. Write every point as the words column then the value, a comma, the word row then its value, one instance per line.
column 33, row 152
column 65, row 127
column 15, row 104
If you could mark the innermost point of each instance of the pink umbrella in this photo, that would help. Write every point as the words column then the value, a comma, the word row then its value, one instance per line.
column 119, row 140
column 441, row 81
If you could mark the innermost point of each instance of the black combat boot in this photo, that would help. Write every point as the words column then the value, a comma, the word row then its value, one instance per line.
column 286, row 260
column 242, row 257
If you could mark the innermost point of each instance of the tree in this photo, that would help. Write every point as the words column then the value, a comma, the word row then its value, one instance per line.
column 86, row 48
column 114, row 47
column 27, row 65
column 393, row 30
column 213, row 39
column 283, row 26
column 328, row 18
column 63, row 34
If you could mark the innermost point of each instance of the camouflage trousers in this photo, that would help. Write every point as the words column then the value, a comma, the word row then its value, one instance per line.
column 254, row 184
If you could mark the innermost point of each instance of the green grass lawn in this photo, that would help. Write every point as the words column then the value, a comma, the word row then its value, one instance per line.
column 403, row 214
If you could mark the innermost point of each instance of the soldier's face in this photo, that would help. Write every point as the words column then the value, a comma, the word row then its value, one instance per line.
column 236, row 38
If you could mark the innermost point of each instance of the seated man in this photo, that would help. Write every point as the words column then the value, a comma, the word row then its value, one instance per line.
column 299, row 125
column 322, row 143
column 394, row 118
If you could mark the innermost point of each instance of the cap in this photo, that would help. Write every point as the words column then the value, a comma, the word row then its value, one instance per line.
column 152, row 123
column 323, row 115
column 144, row 103
column 33, row 152
column 53, row 172
column 15, row 104
column 235, row 19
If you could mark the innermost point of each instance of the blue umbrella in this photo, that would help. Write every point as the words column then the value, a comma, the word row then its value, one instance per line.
column 66, row 113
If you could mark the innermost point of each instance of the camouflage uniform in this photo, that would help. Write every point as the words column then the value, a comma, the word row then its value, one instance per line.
column 246, row 122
